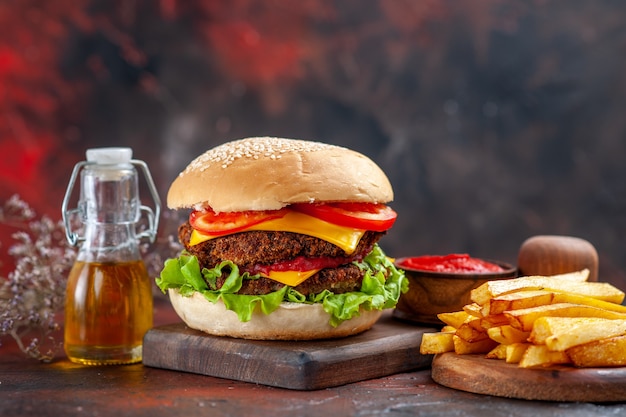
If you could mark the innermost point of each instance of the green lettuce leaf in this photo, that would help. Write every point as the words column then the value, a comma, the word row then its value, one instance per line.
column 376, row 293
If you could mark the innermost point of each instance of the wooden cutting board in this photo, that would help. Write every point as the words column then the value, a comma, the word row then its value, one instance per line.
column 474, row 373
column 389, row 347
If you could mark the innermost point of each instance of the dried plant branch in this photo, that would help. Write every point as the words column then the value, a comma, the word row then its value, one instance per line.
column 34, row 292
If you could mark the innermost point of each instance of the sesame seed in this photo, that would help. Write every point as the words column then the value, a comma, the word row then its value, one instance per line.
column 255, row 148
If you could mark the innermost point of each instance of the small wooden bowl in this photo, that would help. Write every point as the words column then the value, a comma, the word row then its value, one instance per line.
column 553, row 254
column 431, row 293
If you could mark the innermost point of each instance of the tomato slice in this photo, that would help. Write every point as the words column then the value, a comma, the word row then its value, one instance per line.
column 219, row 224
column 368, row 216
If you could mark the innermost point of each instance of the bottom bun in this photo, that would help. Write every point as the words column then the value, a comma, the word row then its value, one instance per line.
column 290, row 321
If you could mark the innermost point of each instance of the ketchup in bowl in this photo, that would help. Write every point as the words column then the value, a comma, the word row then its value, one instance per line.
column 453, row 263
column 443, row 283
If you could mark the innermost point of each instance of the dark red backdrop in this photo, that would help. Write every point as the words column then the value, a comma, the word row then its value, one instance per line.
column 494, row 119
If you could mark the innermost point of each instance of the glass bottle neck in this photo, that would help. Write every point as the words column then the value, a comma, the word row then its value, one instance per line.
column 109, row 242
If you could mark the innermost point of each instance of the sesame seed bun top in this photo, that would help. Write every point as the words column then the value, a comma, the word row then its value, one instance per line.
column 266, row 173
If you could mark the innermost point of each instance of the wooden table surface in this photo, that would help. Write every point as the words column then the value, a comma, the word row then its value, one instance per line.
column 61, row 388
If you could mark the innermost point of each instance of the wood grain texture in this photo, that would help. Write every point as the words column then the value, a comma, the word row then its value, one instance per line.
column 387, row 348
column 474, row 373
column 553, row 254
column 33, row 389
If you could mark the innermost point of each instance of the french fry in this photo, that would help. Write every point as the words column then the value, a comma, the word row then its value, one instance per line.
column 455, row 318
column 498, row 352
column 485, row 310
column 470, row 333
column 527, row 299
column 562, row 333
column 541, row 356
column 507, row 334
column 518, row 300
column 477, row 324
column 525, row 318
column 434, row 343
column 490, row 289
column 600, row 353
column 463, row 347
column 515, row 352
column 539, row 321
column 473, row 310
column 488, row 322
column 600, row 290
column 577, row 276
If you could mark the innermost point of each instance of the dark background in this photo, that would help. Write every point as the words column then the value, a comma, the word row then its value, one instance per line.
column 495, row 120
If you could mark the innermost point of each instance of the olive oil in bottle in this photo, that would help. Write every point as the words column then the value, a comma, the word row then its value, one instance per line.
column 108, row 311
column 108, row 305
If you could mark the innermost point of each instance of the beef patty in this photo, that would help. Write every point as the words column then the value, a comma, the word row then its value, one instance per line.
column 250, row 249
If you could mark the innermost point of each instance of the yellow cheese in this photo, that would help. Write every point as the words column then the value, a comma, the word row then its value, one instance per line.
column 291, row 278
column 346, row 238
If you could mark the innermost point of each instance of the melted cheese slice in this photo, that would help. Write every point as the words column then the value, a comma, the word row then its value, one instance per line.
column 346, row 238
column 291, row 278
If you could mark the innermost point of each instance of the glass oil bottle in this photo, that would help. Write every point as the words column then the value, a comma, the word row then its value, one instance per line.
column 108, row 305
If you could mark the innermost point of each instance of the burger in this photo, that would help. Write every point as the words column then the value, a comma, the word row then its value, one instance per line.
column 281, row 242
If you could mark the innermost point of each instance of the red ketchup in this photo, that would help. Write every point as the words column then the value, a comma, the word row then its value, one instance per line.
column 454, row 263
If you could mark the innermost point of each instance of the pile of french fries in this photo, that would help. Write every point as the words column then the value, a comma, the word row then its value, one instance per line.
column 538, row 321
